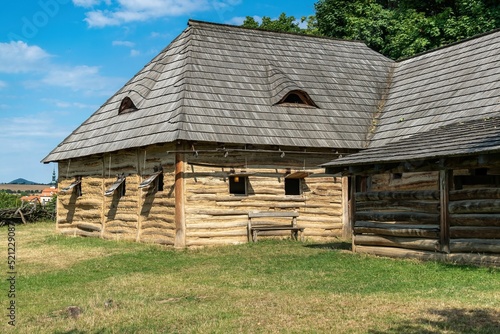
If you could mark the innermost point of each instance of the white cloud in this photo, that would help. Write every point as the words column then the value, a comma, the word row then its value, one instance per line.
column 89, row 3
column 135, row 53
column 18, row 57
column 142, row 10
column 3, row 84
column 82, row 78
column 69, row 105
column 238, row 20
column 124, row 43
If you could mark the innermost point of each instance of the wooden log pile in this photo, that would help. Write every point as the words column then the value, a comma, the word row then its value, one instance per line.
column 27, row 213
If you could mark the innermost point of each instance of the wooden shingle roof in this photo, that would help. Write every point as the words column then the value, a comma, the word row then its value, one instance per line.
column 452, row 84
column 471, row 137
column 219, row 83
column 443, row 103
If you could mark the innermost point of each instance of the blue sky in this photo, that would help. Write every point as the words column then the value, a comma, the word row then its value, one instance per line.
column 61, row 59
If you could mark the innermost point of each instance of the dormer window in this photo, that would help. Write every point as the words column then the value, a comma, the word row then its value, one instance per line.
column 297, row 98
column 126, row 106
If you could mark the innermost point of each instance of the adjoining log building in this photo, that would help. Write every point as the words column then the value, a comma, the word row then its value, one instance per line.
column 428, row 186
column 228, row 120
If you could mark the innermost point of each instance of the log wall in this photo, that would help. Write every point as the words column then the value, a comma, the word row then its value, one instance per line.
column 399, row 222
column 212, row 214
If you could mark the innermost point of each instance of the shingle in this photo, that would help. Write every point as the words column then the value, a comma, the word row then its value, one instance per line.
column 219, row 83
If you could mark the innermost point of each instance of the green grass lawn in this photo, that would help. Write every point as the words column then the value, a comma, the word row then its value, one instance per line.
column 275, row 286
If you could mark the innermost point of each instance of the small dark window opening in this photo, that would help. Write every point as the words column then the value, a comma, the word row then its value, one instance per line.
column 121, row 191
column 397, row 176
column 238, row 185
column 293, row 186
column 159, row 182
column 293, row 98
column 297, row 98
column 479, row 171
column 78, row 189
column 126, row 105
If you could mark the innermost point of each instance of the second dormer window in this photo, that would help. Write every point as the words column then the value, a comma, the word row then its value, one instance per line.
column 126, row 106
column 297, row 98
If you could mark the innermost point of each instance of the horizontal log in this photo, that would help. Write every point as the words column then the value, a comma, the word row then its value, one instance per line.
column 387, row 241
column 396, row 205
column 398, row 216
column 305, row 218
column 477, row 193
column 253, row 198
column 462, row 258
column 168, row 234
column 398, row 195
column 78, row 232
column 475, row 220
column 216, row 225
column 320, row 225
column 480, row 232
column 216, row 234
column 89, row 227
column 401, row 230
column 475, row 246
column 475, row 206
column 215, row 241
column 475, row 259
column 159, row 241
column 160, row 225
column 215, row 212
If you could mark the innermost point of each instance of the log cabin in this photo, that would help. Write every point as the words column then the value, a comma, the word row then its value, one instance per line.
column 225, row 121
column 428, row 184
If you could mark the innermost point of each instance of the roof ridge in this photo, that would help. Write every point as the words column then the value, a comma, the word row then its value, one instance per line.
column 192, row 22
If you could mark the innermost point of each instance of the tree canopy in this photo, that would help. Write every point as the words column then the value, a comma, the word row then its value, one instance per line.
column 395, row 28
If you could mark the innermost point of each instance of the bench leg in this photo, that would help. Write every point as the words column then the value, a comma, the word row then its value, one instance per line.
column 254, row 235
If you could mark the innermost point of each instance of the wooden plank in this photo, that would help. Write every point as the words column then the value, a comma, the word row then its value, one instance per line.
column 477, row 193
column 388, row 241
column 429, row 231
column 397, row 205
column 475, row 206
column 398, row 195
column 398, row 216
column 258, row 214
column 475, row 245
column 480, row 219
column 480, row 232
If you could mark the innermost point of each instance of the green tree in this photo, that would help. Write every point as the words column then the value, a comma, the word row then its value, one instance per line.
column 405, row 27
column 9, row 200
column 284, row 24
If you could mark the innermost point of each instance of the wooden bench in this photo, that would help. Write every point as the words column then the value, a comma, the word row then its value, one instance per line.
column 257, row 223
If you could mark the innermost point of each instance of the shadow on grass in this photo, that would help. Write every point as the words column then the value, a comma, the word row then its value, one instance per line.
column 340, row 245
column 453, row 321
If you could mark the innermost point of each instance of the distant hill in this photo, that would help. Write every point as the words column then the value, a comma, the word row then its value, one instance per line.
column 22, row 181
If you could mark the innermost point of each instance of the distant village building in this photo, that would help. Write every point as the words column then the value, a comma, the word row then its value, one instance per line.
column 227, row 121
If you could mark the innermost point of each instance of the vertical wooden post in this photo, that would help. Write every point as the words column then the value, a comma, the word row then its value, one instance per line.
column 346, row 227
column 140, row 202
column 352, row 209
column 103, row 202
column 444, row 224
column 180, row 220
